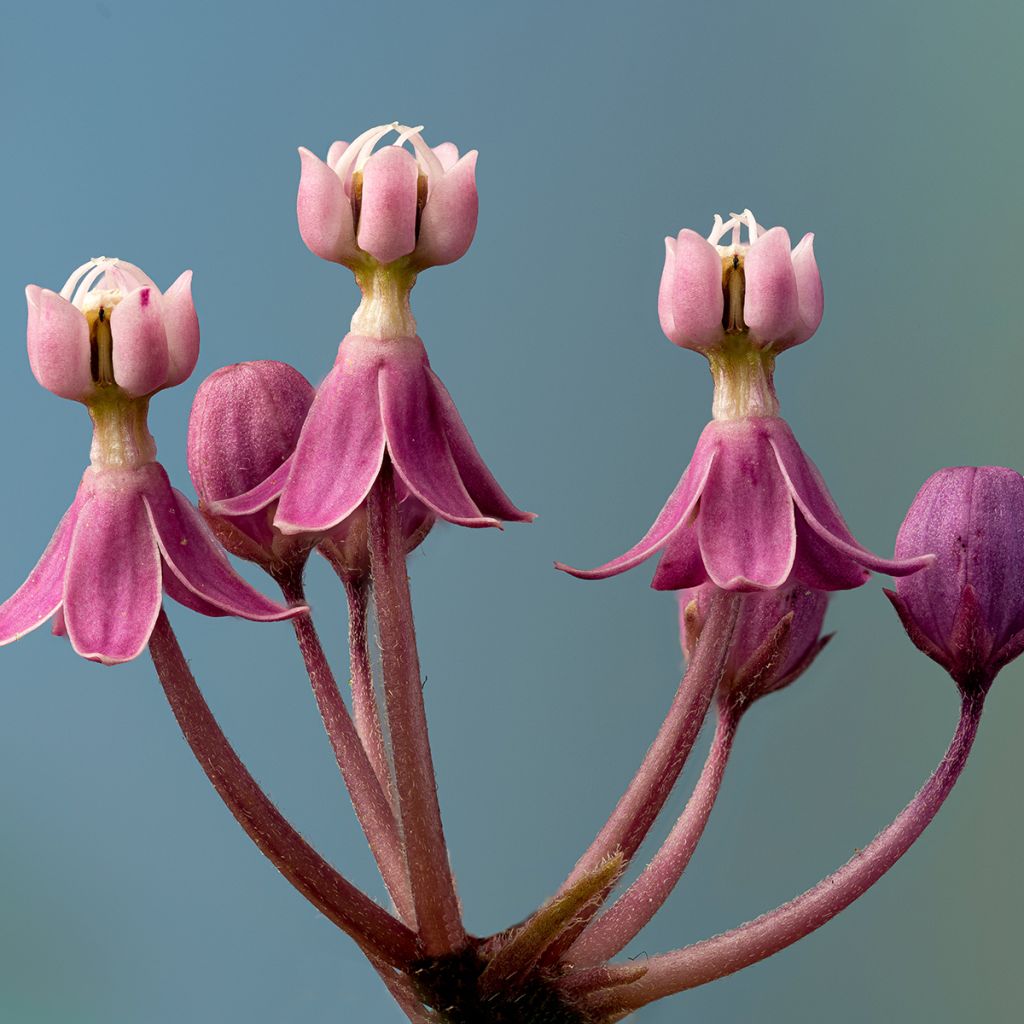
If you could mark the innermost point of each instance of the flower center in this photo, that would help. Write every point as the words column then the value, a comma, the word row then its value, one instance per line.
column 732, row 255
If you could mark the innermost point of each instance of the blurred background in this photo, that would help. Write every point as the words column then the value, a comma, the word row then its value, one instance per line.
column 166, row 134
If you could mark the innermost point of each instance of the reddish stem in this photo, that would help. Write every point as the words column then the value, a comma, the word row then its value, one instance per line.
column 438, row 918
column 372, row 807
column 372, row 927
column 724, row 954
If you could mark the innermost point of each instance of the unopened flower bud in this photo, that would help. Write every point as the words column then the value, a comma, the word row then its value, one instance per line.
column 967, row 610
column 245, row 422
column 778, row 635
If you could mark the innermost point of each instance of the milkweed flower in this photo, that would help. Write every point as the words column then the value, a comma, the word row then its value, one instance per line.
column 382, row 400
column 389, row 203
column 967, row 610
column 111, row 340
column 751, row 512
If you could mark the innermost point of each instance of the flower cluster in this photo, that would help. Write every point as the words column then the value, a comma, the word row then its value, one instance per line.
column 363, row 466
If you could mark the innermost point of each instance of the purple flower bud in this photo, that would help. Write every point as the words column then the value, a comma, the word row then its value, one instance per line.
column 388, row 204
column 778, row 635
column 245, row 423
column 967, row 610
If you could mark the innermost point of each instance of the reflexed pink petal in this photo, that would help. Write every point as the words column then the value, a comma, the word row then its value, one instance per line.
column 58, row 344
column 745, row 524
column 175, row 589
column 681, row 565
column 387, row 214
column 813, row 500
column 41, row 594
column 324, row 211
column 416, row 438
column 479, row 482
column 771, row 305
column 811, row 297
column 112, row 587
column 139, row 342
column 448, row 222
column 256, row 499
column 341, row 448
column 335, row 153
column 182, row 326
column 690, row 299
column 677, row 512
column 820, row 566
column 197, row 560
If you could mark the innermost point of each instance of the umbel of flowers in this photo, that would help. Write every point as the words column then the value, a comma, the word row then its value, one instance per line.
column 359, row 470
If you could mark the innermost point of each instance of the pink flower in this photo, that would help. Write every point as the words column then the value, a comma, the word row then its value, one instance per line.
column 967, row 610
column 752, row 513
column 380, row 399
column 760, row 289
column 778, row 635
column 388, row 204
column 110, row 343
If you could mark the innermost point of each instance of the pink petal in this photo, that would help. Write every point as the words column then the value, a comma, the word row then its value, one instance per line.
column 258, row 498
column 197, row 560
column 448, row 221
column 681, row 565
column 341, row 448
column 40, row 595
column 182, row 326
column 820, row 566
column 812, row 498
column 690, row 299
column 481, row 485
column 675, row 515
column 139, row 342
column 448, row 154
column 58, row 344
column 387, row 213
column 745, row 524
column 416, row 438
column 324, row 211
column 771, row 307
column 112, row 587
column 811, row 297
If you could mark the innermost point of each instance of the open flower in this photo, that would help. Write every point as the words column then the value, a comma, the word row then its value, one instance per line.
column 110, row 340
column 380, row 398
column 390, row 203
column 760, row 288
column 752, row 513
column 967, row 610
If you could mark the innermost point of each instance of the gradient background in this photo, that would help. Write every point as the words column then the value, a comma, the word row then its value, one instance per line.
column 166, row 134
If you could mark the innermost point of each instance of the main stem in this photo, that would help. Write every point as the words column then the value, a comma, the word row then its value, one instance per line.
column 724, row 954
column 373, row 928
column 621, row 923
column 369, row 800
column 439, row 923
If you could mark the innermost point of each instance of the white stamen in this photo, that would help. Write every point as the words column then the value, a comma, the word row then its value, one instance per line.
column 428, row 160
column 351, row 157
column 81, row 287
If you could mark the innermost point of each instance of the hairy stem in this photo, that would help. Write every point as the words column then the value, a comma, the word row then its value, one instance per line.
column 370, row 801
column 438, row 918
column 724, row 954
column 364, row 698
column 619, row 925
column 372, row 927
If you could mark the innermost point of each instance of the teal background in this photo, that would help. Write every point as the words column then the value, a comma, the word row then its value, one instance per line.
column 166, row 134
